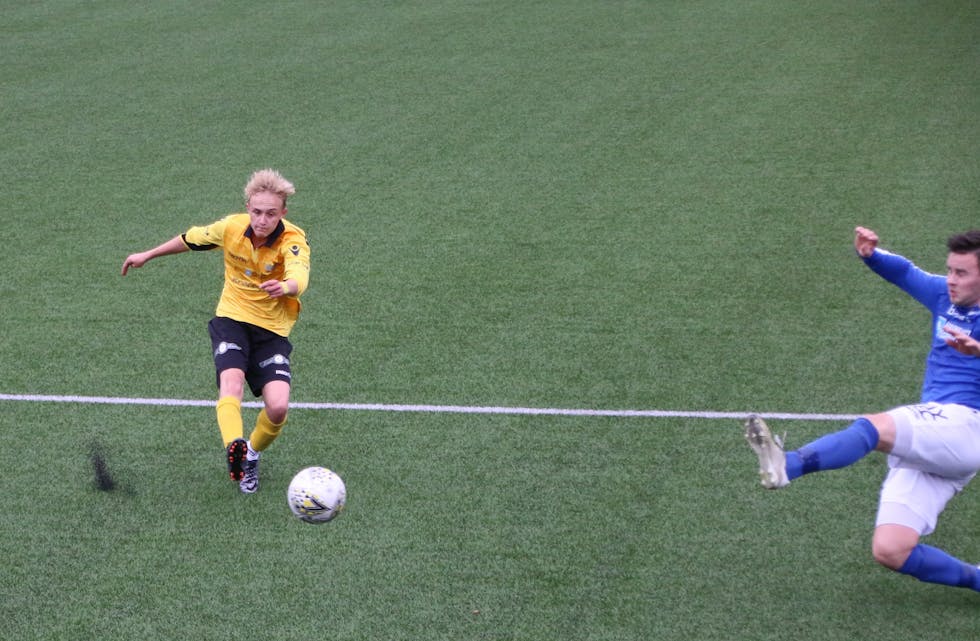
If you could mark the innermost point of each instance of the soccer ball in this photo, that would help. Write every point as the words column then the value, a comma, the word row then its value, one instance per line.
column 316, row 495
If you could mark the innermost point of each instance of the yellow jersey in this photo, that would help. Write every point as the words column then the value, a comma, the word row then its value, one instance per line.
column 285, row 255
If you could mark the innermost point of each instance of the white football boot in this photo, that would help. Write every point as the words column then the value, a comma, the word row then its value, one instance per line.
column 769, row 449
column 250, row 471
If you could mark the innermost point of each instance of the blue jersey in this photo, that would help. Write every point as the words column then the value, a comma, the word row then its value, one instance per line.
column 950, row 377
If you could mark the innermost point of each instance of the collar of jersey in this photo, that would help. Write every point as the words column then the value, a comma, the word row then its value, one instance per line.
column 272, row 238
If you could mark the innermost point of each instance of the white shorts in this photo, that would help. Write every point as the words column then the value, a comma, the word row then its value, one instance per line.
column 936, row 453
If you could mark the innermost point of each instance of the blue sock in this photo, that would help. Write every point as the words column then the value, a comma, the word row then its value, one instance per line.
column 932, row 565
column 833, row 451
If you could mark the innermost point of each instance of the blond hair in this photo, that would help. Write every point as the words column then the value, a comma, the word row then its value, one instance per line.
column 268, row 180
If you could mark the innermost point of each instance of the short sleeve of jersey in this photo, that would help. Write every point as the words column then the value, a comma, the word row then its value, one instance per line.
column 206, row 237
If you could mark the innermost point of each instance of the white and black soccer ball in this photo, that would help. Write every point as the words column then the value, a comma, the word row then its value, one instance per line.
column 317, row 495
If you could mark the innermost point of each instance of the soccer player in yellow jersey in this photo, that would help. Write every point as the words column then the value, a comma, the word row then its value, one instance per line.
column 267, row 267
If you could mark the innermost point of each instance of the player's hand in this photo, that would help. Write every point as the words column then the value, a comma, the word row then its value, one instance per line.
column 134, row 260
column 865, row 241
column 961, row 341
column 275, row 288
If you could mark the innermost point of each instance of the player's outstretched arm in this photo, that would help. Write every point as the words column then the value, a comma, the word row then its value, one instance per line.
column 173, row 246
column 865, row 241
column 962, row 342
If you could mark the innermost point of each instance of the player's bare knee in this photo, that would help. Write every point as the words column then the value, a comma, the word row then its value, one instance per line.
column 891, row 554
column 276, row 397
column 277, row 412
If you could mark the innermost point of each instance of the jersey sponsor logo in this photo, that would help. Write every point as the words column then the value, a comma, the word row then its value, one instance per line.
column 240, row 259
column 943, row 321
column 295, row 250
column 282, row 372
column 243, row 283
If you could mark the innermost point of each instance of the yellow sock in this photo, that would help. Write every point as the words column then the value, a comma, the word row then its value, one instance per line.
column 265, row 432
column 230, row 419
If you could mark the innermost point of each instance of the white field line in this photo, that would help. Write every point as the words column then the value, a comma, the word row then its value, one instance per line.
column 436, row 409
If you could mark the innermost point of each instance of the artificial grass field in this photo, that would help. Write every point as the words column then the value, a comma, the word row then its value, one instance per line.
column 564, row 204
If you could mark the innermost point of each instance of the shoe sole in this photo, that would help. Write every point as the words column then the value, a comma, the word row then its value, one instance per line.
column 236, row 459
column 769, row 451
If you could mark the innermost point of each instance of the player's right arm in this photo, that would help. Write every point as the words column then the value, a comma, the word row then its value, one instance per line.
column 175, row 245
column 900, row 271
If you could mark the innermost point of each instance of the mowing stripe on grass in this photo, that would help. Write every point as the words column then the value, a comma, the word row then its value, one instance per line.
column 447, row 409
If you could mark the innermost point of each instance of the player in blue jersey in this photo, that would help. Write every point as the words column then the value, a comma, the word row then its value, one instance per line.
column 933, row 446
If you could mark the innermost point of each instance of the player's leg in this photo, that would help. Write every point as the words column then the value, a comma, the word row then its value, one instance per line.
column 269, row 376
column 229, row 341
column 229, row 411
column 231, row 385
column 932, row 565
column 272, row 418
column 831, row 451
column 268, row 426
column 842, row 448
column 911, row 501
column 936, row 452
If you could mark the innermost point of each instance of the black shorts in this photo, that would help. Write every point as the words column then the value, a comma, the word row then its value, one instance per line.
column 261, row 354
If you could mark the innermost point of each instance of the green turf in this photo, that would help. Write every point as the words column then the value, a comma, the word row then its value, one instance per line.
column 617, row 205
